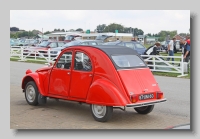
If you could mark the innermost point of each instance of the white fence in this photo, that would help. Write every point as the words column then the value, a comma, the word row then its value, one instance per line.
column 156, row 62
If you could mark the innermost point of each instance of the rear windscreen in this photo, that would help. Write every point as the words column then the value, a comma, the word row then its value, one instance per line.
column 128, row 61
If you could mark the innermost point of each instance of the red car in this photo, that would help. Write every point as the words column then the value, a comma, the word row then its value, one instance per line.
column 105, row 77
column 43, row 47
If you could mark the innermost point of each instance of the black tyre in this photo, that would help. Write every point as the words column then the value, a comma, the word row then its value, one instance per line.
column 31, row 93
column 144, row 109
column 101, row 113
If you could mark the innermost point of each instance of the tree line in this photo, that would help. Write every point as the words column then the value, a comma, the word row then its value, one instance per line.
column 103, row 28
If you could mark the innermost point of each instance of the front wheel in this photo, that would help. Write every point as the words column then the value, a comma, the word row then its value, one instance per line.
column 144, row 109
column 31, row 93
column 101, row 113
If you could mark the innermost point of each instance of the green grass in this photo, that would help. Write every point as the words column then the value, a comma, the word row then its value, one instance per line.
column 29, row 61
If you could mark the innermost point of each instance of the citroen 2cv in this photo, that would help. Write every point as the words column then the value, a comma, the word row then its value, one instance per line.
column 105, row 77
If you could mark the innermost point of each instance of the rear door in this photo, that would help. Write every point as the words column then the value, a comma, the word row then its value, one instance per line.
column 82, row 75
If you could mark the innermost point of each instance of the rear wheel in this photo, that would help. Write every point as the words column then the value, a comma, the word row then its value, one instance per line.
column 144, row 109
column 31, row 93
column 101, row 113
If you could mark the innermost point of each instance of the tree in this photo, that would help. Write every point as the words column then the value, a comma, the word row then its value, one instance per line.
column 100, row 28
column 55, row 29
column 14, row 29
column 126, row 30
column 183, row 34
column 13, row 35
column 63, row 30
column 47, row 32
column 112, row 27
column 149, row 34
column 79, row 29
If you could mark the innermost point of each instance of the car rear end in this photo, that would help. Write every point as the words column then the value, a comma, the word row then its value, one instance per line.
column 138, row 81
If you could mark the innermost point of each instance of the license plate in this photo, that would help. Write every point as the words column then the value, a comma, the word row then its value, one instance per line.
column 146, row 96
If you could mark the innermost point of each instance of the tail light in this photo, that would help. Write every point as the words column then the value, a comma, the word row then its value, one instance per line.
column 159, row 95
column 134, row 98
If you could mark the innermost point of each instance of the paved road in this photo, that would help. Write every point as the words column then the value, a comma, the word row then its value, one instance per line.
column 72, row 115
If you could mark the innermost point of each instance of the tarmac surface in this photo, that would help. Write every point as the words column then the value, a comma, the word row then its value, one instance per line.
column 71, row 115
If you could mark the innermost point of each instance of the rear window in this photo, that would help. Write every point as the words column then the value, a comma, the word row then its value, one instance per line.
column 128, row 61
column 139, row 46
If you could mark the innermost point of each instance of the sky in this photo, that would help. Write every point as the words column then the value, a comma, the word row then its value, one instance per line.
column 150, row 21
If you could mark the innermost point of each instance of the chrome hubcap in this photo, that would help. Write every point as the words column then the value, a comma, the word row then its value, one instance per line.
column 98, row 110
column 30, row 93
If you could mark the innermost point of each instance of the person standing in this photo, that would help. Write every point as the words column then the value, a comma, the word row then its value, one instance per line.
column 170, row 49
column 186, row 54
column 152, row 50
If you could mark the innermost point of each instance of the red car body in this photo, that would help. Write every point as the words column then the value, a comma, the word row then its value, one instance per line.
column 104, row 86
column 42, row 48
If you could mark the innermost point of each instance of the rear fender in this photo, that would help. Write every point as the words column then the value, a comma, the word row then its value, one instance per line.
column 33, row 77
column 104, row 92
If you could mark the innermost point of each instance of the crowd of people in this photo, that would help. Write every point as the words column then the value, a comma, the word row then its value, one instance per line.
column 185, row 44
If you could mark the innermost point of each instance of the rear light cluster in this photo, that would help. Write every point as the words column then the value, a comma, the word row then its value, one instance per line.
column 135, row 97
column 159, row 95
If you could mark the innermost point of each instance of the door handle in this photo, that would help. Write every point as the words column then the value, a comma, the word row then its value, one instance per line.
column 90, row 75
column 68, row 73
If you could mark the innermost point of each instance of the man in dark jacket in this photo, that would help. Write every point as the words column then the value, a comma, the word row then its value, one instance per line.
column 152, row 50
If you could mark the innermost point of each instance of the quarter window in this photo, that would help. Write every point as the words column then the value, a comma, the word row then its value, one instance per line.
column 82, row 62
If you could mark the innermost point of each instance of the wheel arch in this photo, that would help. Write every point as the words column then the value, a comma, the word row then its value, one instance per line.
column 33, row 77
column 104, row 92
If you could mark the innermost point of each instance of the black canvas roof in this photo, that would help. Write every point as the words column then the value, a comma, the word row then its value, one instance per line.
column 116, row 50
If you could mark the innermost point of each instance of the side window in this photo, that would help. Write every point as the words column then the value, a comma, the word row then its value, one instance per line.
column 84, row 43
column 82, row 62
column 60, row 44
column 53, row 45
column 121, row 44
column 92, row 43
column 65, row 61
column 130, row 45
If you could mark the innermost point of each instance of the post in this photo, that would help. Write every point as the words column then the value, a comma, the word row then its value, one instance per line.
column 154, row 63
column 49, row 55
column 22, row 50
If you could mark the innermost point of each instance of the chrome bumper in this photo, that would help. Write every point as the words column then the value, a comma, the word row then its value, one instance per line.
column 146, row 103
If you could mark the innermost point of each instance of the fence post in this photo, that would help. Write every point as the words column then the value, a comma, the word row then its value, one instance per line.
column 154, row 62
column 182, row 66
column 22, row 50
column 49, row 56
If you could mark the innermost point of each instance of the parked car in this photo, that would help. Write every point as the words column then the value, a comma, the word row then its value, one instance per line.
column 131, row 44
column 14, row 42
column 31, row 42
column 105, row 77
column 43, row 47
column 69, row 38
column 56, row 51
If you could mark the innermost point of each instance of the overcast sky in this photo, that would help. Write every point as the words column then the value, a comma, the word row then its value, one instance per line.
column 150, row 21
